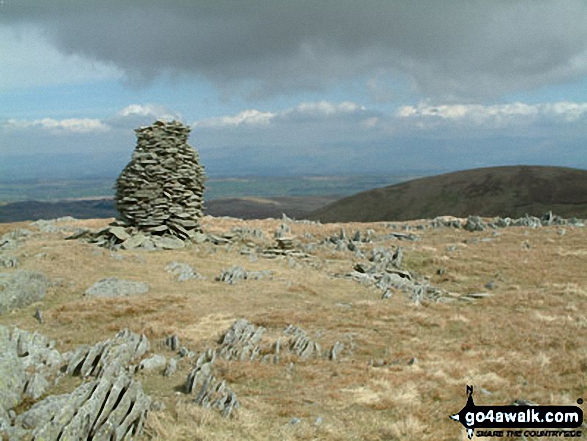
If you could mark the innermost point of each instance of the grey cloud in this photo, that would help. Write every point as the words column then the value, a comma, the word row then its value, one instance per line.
column 449, row 49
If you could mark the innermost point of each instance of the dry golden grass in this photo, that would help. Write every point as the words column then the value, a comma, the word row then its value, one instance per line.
column 529, row 340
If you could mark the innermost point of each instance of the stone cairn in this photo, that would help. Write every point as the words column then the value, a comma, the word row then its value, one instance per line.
column 159, row 194
column 160, row 191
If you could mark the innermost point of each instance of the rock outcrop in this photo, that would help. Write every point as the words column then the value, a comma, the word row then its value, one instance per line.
column 110, row 405
column 21, row 288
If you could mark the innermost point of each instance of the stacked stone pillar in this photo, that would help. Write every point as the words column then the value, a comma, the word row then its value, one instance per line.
column 160, row 191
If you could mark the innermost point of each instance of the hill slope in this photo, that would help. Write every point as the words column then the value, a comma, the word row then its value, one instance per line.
column 496, row 191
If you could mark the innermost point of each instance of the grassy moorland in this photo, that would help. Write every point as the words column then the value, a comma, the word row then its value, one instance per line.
column 528, row 340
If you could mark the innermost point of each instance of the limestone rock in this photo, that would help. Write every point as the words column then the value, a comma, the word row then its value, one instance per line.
column 21, row 288
column 120, row 351
column 113, row 406
column 114, row 287
column 210, row 392
column 300, row 344
column 241, row 341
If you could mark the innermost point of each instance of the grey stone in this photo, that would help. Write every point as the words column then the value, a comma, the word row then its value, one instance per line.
column 235, row 274
column 210, row 392
column 120, row 233
column 172, row 342
column 113, row 353
column 114, row 287
column 36, row 386
column 111, row 407
column 12, row 373
column 475, row 223
column 387, row 294
column 335, row 350
column 39, row 316
column 21, row 288
column 134, row 241
column 169, row 243
column 170, row 368
column 153, row 363
column 8, row 261
column 182, row 271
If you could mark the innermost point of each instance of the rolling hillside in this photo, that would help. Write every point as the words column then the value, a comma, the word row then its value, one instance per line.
column 496, row 191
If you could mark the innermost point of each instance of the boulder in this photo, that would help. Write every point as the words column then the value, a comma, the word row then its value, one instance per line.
column 114, row 287
column 21, row 288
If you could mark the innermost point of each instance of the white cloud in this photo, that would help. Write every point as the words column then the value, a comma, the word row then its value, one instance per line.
column 324, row 108
column 150, row 110
column 305, row 111
column 71, row 125
column 128, row 117
column 249, row 117
column 495, row 115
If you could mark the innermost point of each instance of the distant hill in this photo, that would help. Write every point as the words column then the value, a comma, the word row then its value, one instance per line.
column 496, row 191
column 244, row 208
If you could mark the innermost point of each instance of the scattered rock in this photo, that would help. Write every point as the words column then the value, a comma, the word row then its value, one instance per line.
column 475, row 223
column 38, row 315
column 8, row 261
column 235, row 274
column 182, row 271
column 172, row 342
column 92, row 360
column 300, row 344
column 170, row 368
column 153, row 363
column 335, row 350
column 114, row 287
column 113, row 406
column 21, row 288
column 210, row 392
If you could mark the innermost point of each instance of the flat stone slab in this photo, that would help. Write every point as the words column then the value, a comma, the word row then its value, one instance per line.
column 169, row 243
column 114, row 287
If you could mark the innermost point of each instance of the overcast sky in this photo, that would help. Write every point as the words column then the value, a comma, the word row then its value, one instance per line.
column 297, row 87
